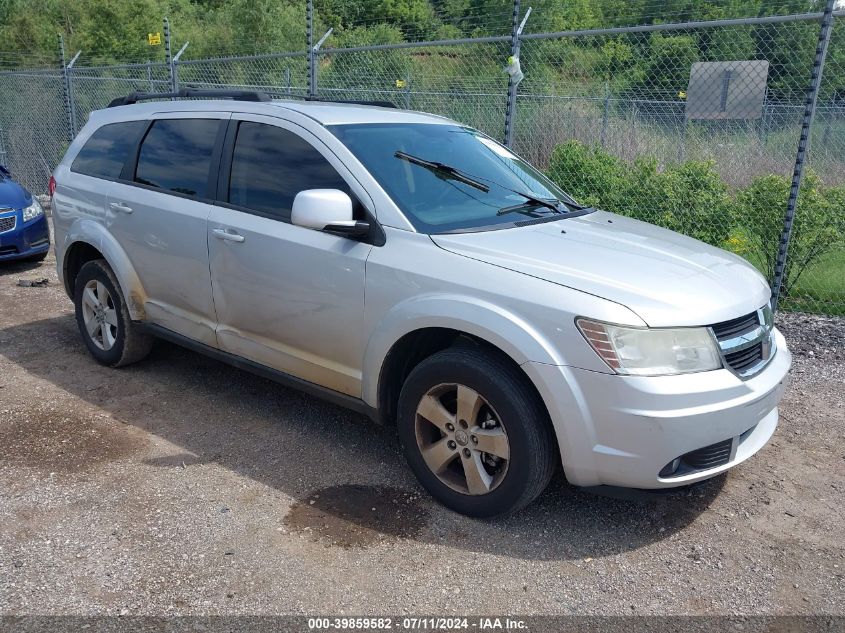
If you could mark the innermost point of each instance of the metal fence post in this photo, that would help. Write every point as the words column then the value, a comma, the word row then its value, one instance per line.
column 312, row 53
column 510, row 109
column 635, row 111
column 309, row 34
column 66, row 90
column 764, row 119
column 71, row 97
column 3, row 160
column 175, row 64
column 605, row 114
column 167, row 55
column 801, row 155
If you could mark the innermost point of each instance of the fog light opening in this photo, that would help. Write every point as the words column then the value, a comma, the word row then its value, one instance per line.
column 671, row 468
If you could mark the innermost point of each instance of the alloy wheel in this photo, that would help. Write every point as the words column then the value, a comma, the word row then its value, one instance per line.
column 462, row 439
column 99, row 315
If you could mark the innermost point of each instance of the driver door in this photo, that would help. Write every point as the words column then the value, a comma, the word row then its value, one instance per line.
column 287, row 297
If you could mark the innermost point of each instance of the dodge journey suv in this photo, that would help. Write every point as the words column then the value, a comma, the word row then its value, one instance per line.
column 413, row 269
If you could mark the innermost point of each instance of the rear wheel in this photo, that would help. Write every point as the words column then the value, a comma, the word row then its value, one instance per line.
column 104, row 320
column 475, row 433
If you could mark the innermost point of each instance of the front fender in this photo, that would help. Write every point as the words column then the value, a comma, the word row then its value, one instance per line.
column 96, row 235
column 489, row 322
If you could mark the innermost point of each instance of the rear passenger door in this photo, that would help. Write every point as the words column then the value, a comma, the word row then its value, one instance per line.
column 161, row 219
column 287, row 297
column 96, row 171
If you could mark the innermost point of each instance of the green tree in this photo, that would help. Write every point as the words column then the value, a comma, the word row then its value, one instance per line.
column 266, row 25
column 670, row 58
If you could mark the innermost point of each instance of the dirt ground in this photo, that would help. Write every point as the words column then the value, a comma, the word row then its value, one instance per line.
column 183, row 486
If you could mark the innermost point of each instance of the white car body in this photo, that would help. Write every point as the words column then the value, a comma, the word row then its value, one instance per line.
column 342, row 307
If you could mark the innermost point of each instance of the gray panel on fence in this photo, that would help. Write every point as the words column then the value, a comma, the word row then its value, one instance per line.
column 727, row 90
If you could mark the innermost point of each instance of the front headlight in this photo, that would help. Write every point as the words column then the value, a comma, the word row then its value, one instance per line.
column 32, row 211
column 652, row 352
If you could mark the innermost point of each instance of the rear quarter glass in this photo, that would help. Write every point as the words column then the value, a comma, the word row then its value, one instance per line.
column 107, row 150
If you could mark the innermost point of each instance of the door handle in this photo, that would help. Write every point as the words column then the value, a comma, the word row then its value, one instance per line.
column 231, row 236
column 119, row 206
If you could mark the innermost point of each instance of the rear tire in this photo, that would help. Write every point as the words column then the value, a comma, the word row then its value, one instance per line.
column 465, row 399
column 103, row 318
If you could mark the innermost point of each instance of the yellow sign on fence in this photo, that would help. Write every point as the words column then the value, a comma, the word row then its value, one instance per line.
column 154, row 39
column 400, row 83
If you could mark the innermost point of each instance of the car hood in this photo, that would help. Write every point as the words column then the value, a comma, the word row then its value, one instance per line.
column 12, row 195
column 668, row 279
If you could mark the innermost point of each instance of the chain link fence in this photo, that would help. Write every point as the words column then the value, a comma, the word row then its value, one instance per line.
column 815, row 268
column 280, row 74
column 92, row 88
column 34, row 124
column 691, row 126
column 463, row 81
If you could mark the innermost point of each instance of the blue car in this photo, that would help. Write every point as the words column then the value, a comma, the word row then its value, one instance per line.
column 23, row 226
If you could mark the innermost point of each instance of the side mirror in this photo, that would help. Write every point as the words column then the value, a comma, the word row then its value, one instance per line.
column 327, row 210
column 5, row 171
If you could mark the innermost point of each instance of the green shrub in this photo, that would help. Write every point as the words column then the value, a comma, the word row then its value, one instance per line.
column 700, row 202
column 691, row 198
column 818, row 227
column 688, row 197
column 591, row 175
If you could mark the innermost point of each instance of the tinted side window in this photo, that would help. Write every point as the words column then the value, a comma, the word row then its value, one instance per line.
column 271, row 165
column 176, row 155
column 104, row 154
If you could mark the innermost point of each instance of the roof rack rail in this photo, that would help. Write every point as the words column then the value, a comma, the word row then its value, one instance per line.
column 237, row 95
column 187, row 93
column 380, row 104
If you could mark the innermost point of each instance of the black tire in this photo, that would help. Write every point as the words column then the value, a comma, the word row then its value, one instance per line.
column 533, row 455
column 130, row 343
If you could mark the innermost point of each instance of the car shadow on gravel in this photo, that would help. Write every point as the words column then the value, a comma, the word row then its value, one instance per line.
column 18, row 266
column 349, row 481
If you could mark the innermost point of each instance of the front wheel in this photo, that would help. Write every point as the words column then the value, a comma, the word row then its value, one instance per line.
column 475, row 433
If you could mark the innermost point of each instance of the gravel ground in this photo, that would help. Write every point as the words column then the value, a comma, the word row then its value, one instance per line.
column 183, row 486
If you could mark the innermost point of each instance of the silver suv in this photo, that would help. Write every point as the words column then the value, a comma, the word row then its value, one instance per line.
column 414, row 269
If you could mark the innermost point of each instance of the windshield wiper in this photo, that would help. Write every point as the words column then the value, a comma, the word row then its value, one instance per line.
column 447, row 170
column 523, row 207
column 456, row 174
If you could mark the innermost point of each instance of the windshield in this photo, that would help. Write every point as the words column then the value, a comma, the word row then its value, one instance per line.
column 446, row 177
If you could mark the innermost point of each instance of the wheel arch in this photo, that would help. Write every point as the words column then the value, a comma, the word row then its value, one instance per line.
column 418, row 329
column 87, row 240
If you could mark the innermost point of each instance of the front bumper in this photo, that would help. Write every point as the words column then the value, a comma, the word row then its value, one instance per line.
column 623, row 430
column 26, row 239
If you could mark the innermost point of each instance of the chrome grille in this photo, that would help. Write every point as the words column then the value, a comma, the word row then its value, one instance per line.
column 746, row 342
column 743, row 324
column 7, row 223
column 745, row 358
